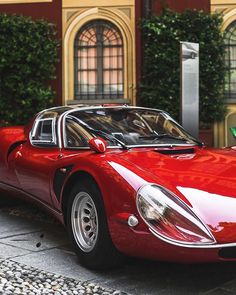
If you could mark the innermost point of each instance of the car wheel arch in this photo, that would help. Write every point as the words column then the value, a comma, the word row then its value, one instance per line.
column 78, row 175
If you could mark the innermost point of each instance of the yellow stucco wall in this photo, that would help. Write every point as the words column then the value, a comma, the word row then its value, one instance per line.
column 76, row 14
column 222, row 136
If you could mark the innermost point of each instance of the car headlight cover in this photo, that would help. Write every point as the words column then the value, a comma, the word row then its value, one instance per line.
column 170, row 218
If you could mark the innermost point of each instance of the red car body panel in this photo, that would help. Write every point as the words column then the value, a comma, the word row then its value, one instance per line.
column 204, row 179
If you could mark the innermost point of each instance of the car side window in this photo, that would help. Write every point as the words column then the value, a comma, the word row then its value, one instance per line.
column 76, row 136
column 43, row 132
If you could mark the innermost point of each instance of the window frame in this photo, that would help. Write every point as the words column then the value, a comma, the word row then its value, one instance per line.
column 100, row 70
column 46, row 143
column 62, row 131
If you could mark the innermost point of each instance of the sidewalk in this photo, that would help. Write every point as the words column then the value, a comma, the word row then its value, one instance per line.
column 36, row 258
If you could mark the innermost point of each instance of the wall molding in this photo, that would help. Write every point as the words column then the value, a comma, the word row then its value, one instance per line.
column 23, row 1
column 126, row 27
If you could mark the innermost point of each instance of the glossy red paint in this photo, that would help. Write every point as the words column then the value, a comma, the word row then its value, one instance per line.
column 204, row 179
column 98, row 145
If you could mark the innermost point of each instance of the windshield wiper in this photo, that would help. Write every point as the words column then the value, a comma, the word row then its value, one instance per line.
column 162, row 135
column 108, row 137
column 166, row 135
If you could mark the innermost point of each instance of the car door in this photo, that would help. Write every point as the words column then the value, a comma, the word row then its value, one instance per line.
column 35, row 160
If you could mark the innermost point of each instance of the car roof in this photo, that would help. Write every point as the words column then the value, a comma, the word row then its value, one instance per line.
column 61, row 111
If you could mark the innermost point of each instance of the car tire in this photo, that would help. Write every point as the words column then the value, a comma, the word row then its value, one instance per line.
column 88, row 228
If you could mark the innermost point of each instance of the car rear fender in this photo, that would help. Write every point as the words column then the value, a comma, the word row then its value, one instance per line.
column 11, row 137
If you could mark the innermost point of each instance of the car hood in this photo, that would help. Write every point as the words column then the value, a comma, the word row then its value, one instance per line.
column 204, row 178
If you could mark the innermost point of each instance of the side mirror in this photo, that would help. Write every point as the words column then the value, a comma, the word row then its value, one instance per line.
column 233, row 131
column 98, row 145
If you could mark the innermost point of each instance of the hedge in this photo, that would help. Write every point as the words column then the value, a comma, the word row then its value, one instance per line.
column 160, row 84
column 28, row 55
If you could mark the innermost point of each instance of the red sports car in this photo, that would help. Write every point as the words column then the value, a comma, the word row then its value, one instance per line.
column 125, row 181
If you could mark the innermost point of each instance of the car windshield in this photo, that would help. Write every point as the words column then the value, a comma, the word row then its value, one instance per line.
column 132, row 126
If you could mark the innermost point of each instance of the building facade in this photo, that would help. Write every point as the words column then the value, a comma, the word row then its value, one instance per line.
column 227, row 8
column 101, row 55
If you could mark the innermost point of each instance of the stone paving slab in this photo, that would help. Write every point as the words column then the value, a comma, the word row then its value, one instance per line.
column 16, row 226
column 144, row 277
column 36, row 241
column 227, row 288
column 230, row 286
column 7, row 251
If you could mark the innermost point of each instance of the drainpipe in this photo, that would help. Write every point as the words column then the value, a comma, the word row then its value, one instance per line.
column 147, row 8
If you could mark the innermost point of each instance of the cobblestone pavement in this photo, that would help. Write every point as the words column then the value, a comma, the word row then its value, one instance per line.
column 16, row 278
column 36, row 258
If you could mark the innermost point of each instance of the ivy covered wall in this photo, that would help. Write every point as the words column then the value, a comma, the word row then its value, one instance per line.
column 160, row 83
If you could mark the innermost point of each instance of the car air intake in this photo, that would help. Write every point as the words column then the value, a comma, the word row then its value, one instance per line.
column 176, row 151
column 228, row 252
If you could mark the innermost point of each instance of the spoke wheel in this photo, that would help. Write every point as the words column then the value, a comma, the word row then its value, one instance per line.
column 84, row 221
column 88, row 229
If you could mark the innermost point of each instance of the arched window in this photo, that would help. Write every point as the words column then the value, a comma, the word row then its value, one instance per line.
column 99, row 62
column 230, row 59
